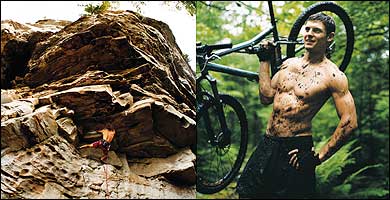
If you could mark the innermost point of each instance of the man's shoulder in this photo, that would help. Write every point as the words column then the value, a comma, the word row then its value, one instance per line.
column 290, row 62
column 330, row 65
column 337, row 79
column 333, row 70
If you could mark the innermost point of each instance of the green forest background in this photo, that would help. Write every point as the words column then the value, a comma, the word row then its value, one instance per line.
column 361, row 168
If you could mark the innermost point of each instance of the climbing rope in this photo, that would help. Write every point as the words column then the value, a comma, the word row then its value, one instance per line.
column 105, row 171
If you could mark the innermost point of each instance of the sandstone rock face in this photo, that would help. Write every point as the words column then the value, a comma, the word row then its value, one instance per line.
column 62, row 80
column 17, row 43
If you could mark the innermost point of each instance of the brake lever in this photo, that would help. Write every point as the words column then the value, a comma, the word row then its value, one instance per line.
column 212, row 57
column 252, row 50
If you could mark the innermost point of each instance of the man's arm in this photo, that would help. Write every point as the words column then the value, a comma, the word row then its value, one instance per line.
column 266, row 91
column 346, row 111
column 86, row 146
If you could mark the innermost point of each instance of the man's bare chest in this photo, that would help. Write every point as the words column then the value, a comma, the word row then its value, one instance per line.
column 304, row 83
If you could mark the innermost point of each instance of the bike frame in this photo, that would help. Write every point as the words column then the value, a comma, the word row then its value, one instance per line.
column 250, row 43
column 205, row 99
column 208, row 66
column 252, row 76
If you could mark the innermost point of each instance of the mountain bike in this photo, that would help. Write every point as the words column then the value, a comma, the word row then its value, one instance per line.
column 222, row 127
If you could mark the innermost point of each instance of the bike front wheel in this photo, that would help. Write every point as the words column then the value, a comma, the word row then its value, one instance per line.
column 344, row 38
column 218, row 158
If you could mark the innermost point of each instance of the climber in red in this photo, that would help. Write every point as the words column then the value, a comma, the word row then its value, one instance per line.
column 108, row 134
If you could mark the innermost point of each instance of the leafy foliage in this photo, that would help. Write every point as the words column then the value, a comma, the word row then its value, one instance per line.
column 92, row 9
column 360, row 168
column 189, row 6
column 330, row 175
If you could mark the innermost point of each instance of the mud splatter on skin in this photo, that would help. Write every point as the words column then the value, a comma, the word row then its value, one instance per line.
column 345, row 124
column 272, row 130
column 297, row 106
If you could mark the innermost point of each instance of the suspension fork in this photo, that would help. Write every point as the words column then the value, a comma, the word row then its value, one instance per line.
column 218, row 103
column 198, row 91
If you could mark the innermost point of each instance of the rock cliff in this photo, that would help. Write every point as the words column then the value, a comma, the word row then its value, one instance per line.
column 62, row 80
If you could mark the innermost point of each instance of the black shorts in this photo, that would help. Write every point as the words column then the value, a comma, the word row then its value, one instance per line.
column 269, row 175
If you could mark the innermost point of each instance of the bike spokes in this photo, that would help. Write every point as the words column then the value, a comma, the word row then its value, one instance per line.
column 219, row 154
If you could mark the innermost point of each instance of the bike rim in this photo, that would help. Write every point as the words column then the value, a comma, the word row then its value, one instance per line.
column 217, row 165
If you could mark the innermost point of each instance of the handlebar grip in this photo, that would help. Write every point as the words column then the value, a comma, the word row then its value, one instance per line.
column 207, row 49
column 221, row 46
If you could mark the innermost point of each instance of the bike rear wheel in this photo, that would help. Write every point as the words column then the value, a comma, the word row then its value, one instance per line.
column 347, row 38
column 217, row 161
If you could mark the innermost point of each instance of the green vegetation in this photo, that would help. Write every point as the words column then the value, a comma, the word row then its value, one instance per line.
column 189, row 6
column 92, row 9
column 361, row 168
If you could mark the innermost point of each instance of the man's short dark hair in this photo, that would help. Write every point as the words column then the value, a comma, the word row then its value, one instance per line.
column 328, row 21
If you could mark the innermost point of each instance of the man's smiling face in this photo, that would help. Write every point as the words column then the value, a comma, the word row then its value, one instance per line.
column 314, row 36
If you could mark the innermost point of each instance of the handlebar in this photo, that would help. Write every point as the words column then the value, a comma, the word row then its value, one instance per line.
column 207, row 49
column 204, row 54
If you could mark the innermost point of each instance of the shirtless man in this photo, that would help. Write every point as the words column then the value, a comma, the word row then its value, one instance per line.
column 283, row 164
column 104, row 143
